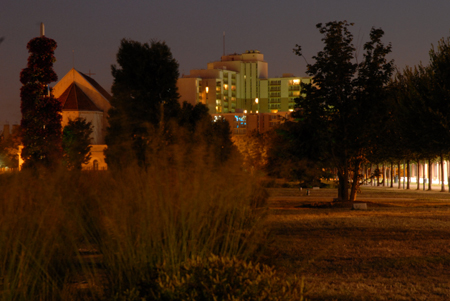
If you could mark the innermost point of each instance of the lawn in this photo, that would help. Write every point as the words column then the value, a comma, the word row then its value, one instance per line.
column 397, row 249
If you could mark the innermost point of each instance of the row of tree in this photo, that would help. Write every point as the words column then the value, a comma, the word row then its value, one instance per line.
column 419, row 125
column 356, row 112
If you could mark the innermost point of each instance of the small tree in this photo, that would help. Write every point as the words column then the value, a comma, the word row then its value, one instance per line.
column 9, row 147
column 76, row 143
column 41, row 112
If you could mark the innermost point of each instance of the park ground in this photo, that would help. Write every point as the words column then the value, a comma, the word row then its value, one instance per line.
column 397, row 249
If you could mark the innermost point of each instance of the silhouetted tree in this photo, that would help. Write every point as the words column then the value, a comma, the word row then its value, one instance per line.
column 41, row 112
column 345, row 100
column 76, row 143
column 144, row 99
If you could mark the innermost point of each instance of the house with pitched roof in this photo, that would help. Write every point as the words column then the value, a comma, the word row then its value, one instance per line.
column 81, row 96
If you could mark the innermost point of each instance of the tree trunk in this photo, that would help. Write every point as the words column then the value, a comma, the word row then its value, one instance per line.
column 418, row 175
column 424, row 175
column 345, row 192
column 355, row 182
column 442, row 174
column 377, row 170
column 343, row 184
column 448, row 175
column 408, row 170
column 392, row 174
column 430, row 173
column 399, row 174
column 384, row 175
column 404, row 174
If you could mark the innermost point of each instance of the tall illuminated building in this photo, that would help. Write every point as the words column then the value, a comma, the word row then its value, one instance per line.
column 239, row 83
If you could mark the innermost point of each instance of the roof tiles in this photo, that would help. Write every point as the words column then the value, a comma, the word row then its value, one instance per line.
column 74, row 99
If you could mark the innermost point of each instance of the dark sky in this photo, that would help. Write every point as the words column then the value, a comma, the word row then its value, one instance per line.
column 90, row 32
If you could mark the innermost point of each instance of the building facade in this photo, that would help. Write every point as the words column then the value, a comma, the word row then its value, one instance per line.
column 81, row 96
column 239, row 83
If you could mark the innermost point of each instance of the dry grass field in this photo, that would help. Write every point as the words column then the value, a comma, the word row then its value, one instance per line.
column 397, row 249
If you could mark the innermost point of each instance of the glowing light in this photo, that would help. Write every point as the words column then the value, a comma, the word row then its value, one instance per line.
column 296, row 81
column 256, row 100
column 257, row 111
column 245, row 111
column 291, row 110
column 207, row 89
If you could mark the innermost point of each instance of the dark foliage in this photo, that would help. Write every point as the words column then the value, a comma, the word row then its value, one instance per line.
column 9, row 149
column 345, row 100
column 76, row 143
column 41, row 112
column 146, row 114
column 145, row 98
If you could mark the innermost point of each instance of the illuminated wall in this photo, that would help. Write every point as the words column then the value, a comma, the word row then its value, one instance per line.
column 241, row 83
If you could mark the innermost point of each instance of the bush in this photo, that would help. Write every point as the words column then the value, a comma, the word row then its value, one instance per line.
column 218, row 278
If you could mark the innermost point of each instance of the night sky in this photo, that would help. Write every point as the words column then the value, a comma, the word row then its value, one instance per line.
column 88, row 33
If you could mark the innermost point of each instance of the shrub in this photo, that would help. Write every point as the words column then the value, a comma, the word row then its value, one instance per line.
column 218, row 278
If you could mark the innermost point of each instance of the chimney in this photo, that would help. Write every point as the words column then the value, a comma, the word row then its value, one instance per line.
column 42, row 29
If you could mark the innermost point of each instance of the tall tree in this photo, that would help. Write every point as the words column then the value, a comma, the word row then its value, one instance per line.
column 145, row 97
column 76, row 143
column 425, row 99
column 345, row 100
column 41, row 112
column 440, row 67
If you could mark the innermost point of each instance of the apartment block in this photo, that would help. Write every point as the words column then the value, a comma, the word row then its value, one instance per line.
column 239, row 83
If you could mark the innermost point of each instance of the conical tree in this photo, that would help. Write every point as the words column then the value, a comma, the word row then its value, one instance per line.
column 41, row 112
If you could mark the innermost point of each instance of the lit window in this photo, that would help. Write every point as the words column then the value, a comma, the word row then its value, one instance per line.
column 207, row 89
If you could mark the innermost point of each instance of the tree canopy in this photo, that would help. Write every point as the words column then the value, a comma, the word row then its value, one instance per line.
column 41, row 112
column 145, row 98
column 345, row 100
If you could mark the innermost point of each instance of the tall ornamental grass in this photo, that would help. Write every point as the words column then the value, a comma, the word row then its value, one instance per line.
column 184, row 204
column 181, row 207
column 43, row 223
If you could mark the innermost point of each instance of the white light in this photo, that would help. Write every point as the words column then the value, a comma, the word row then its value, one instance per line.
column 257, row 112
column 256, row 100
column 245, row 111
column 207, row 89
